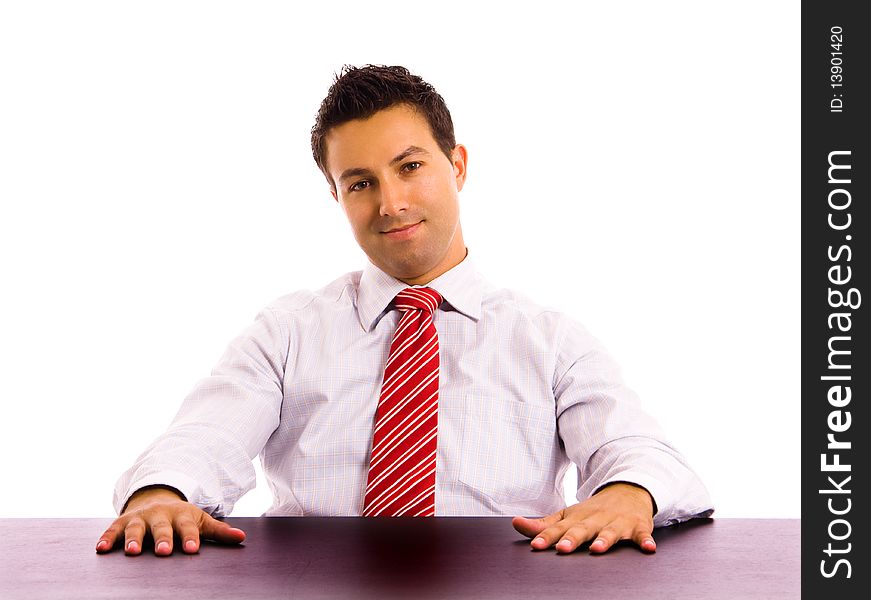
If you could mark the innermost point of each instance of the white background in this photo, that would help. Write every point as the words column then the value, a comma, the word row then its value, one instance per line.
column 634, row 164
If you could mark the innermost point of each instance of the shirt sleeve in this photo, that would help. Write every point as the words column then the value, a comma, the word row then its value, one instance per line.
column 609, row 437
column 223, row 423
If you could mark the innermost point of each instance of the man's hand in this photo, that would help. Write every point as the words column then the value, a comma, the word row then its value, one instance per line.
column 161, row 512
column 619, row 511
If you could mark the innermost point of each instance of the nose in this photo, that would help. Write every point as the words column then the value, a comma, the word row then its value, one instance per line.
column 393, row 198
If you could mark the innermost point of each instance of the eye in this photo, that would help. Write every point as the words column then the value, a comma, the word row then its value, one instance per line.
column 412, row 166
column 359, row 186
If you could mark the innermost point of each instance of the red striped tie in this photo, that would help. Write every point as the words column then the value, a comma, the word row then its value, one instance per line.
column 402, row 467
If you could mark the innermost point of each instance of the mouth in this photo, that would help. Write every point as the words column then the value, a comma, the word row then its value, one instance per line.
column 403, row 232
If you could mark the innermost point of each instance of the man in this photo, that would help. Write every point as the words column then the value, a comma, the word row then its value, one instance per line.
column 412, row 387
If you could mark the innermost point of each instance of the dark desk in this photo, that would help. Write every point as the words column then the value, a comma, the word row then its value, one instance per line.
column 445, row 557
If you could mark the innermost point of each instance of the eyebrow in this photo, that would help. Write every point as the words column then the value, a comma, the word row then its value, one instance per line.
column 358, row 171
column 410, row 151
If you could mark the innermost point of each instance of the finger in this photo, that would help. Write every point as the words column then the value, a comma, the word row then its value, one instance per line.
column 606, row 538
column 109, row 537
column 532, row 527
column 573, row 537
column 134, row 531
column 161, row 531
column 550, row 536
column 219, row 531
column 188, row 531
column 643, row 536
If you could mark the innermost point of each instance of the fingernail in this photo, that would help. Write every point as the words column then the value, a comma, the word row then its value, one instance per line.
column 102, row 545
column 163, row 547
column 564, row 545
column 538, row 541
column 598, row 545
column 132, row 546
column 190, row 546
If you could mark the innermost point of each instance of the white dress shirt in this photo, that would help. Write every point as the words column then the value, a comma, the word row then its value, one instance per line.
column 524, row 392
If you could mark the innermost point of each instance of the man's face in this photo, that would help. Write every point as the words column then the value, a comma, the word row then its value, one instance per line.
column 400, row 192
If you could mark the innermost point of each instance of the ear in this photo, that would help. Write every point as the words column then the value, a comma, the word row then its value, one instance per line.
column 333, row 194
column 459, row 158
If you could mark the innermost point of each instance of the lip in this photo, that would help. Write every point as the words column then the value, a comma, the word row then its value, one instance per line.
column 402, row 233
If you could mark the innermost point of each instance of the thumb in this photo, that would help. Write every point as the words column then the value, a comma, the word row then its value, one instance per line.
column 532, row 527
column 219, row 531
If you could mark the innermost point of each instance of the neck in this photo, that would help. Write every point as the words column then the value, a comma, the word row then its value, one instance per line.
column 446, row 265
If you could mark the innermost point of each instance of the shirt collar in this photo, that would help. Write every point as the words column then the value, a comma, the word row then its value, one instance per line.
column 461, row 287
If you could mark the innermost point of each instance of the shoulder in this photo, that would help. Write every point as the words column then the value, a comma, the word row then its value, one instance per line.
column 525, row 316
column 337, row 295
column 505, row 303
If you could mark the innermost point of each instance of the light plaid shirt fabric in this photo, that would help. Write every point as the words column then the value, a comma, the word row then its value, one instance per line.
column 524, row 393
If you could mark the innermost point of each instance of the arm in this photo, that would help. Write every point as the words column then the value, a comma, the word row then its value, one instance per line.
column 205, row 455
column 630, row 479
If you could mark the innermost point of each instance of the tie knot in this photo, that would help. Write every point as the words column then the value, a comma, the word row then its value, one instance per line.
column 418, row 299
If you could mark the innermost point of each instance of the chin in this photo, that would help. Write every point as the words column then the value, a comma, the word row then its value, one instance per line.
column 406, row 271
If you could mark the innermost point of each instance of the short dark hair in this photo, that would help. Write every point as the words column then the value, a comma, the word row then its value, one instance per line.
column 360, row 92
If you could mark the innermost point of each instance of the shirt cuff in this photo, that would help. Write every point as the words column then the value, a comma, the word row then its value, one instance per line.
column 186, row 485
column 667, row 513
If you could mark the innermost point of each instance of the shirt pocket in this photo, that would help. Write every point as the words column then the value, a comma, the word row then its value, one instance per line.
column 509, row 449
